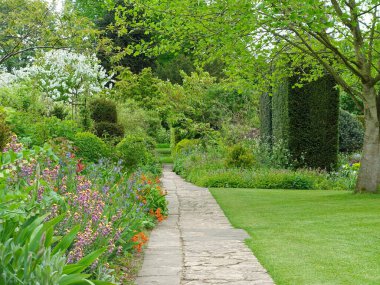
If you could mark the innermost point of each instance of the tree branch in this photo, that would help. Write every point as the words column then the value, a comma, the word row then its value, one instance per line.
column 9, row 55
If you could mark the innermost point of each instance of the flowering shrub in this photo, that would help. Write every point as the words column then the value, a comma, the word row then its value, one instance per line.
column 100, row 205
column 64, row 75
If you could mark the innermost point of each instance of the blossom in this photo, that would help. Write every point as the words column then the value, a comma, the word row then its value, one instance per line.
column 80, row 166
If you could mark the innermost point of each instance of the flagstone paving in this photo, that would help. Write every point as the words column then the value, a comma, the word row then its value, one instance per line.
column 197, row 244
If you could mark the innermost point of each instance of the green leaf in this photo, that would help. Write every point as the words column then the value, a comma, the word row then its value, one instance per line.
column 99, row 282
column 66, row 241
column 84, row 262
column 90, row 258
column 74, row 279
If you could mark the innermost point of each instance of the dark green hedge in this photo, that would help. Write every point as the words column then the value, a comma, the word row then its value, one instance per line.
column 313, row 117
column 280, row 111
column 306, row 119
column 266, row 118
column 103, row 110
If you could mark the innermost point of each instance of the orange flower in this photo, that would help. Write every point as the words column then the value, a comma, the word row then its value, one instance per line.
column 159, row 215
column 140, row 239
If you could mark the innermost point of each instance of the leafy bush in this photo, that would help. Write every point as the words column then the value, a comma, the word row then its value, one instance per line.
column 136, row 150
column 239, row 156
column 264, row 179
column 24, row 97
column 351, row 133
column 90, row 146
column 206, row 167
column 108, row 129
column 185, row 145
column 103, row 110
column 59, row 111
column 39, row 130
column 4, row 131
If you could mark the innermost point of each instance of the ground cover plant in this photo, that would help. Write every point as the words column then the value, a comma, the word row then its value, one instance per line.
column 309, row 237
column 256, row 166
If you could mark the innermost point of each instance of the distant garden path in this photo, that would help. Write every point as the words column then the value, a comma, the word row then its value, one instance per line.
column 197, row 244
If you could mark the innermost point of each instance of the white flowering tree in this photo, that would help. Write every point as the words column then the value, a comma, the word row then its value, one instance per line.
column 67, row 76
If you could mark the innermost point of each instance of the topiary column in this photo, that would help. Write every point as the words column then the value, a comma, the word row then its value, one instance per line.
column 306, row 120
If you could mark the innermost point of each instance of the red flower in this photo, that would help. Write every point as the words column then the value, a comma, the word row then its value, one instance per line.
column 80, row 166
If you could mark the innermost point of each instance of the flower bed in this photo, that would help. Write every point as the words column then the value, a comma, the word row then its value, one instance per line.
column 88, row 214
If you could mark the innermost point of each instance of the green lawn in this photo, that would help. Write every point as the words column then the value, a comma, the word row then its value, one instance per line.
column 163, row 153
column 309, row 237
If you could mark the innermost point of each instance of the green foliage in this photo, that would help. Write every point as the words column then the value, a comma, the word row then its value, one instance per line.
column 239, row 156
column 143, row 88
column 59, row 111
column 313, row 128
column 24, row 97
column 351, row 133
column 186, row 145
column 280, row 110
column 266, row 118
column 135, row 150
column 170, row 68
column 27, row 257
column 136, row 119
column 103, row 110
column 39, row 130
column 90, row 147
column 4, row 131
column 35, row 20
column 108, row 129
column 348, row 104
column 207, row 167
column 235, row 178
column 306, row 119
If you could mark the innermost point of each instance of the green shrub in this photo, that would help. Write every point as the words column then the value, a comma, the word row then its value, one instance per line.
column 59, row 111
column 39, row 129
column 103, row 110
column 135, row 150
column 90, row 147
column 351, row 133
column 185, row 145
column 4, row 132
column 107, row 129
column 239, row 156
column 261, row 179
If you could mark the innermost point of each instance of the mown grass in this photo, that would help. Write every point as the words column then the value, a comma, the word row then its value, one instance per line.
column 163, row 153
column 309, row 237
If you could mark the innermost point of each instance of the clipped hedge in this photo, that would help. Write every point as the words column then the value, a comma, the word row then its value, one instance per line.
column 135, row 150
column 266, row 118
column 280, row 111
column 351, row 132
column 103, row 110
column 306, row 119
column 90, row 147
column 108, row 129
column 313, row 132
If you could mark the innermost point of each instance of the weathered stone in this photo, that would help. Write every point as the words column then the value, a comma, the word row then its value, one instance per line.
column 197, row 244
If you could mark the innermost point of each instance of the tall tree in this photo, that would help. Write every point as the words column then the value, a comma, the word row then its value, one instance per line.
column 30, row 25
column 341, row 37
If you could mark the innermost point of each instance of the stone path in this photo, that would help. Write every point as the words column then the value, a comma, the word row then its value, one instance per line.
column 197, row 244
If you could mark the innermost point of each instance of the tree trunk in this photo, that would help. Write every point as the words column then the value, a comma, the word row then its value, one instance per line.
column 369, row 173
